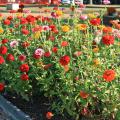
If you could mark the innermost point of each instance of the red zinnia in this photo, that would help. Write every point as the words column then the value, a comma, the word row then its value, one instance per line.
column 4, row 41
column 36, row 56
column 109, row 75
column 108, row 39
column 23, row 21
column 25, row 44
column 9, row 17
column 52, row 38
column 95, row 21
column 64, row 44
column 1, row 60
column 49, row 115
column 64, row 60
column 30, row 18
column 10, row 57
column 22, row 57
column 25, row 31
column 47, row 54
column 2, row 86
column 6, row 22
column 3, row 50
column 24, row 77
column 24, row 68
column 54, row 49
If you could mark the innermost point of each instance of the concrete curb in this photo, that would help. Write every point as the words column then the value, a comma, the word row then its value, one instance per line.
column 12, row 111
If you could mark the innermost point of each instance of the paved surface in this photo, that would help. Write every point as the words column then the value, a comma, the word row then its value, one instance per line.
column 37, row 10
column 3, row 115
column 41, row 11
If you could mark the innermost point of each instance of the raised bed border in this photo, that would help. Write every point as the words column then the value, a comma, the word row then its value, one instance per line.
column 12, row 111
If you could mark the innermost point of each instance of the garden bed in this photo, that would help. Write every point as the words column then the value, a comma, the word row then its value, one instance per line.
column 58, row 69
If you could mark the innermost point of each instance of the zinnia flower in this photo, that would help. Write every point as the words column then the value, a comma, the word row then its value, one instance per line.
column 3, row 50
column 25, row 31
column 109, row 75
column 95, row 21
column 54, row 49
column 84, row 95
column 65, row 28
column 2, row 86
column 24, row 68
column 81, row 27
column 39, row 52
column 23, row 21
column 49, row 115
column 6, row 22
column 59, row 13
column 22, row 57
column 30, row 18
column 47, row 54
column 4, row 41
column 10, row 57
column 13, row 44
column 64, row 60
column 108, row 39
column 83, row 17
column 64, row 43
column 106, row 2
column 1, row 60
column 1, row 30
column 24, row 77
column 25, row 44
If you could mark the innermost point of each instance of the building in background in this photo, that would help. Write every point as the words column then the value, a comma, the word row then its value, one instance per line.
column 84, row 1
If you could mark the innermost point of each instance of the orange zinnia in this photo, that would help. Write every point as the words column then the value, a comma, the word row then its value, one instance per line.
column 84, row 95
column 81, row 26
column 107, row 29
column 59, row 13
column 96, row 49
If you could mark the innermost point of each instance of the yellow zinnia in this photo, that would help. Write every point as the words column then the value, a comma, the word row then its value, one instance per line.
column 65, row 28
column 96, row 61
column 36, row 35
column 1, row 30
column 59, row 13
column 91, row 16
column 19, row 14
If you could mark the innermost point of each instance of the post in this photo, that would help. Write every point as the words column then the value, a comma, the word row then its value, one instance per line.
column 91, row 2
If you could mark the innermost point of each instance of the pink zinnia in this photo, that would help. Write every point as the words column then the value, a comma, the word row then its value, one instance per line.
column 106, row 2
column 83, row 17
column 39, row 52
column 14, row 44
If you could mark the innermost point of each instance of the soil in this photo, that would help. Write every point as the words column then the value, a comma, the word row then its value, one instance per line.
column 35, row 108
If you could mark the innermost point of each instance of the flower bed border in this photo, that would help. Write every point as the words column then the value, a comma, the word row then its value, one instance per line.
column 14, row 112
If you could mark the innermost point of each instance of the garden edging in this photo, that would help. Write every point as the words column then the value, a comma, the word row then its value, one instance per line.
column 14, row 112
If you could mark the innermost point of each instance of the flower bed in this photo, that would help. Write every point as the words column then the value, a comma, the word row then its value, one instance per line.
column 73, row 62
